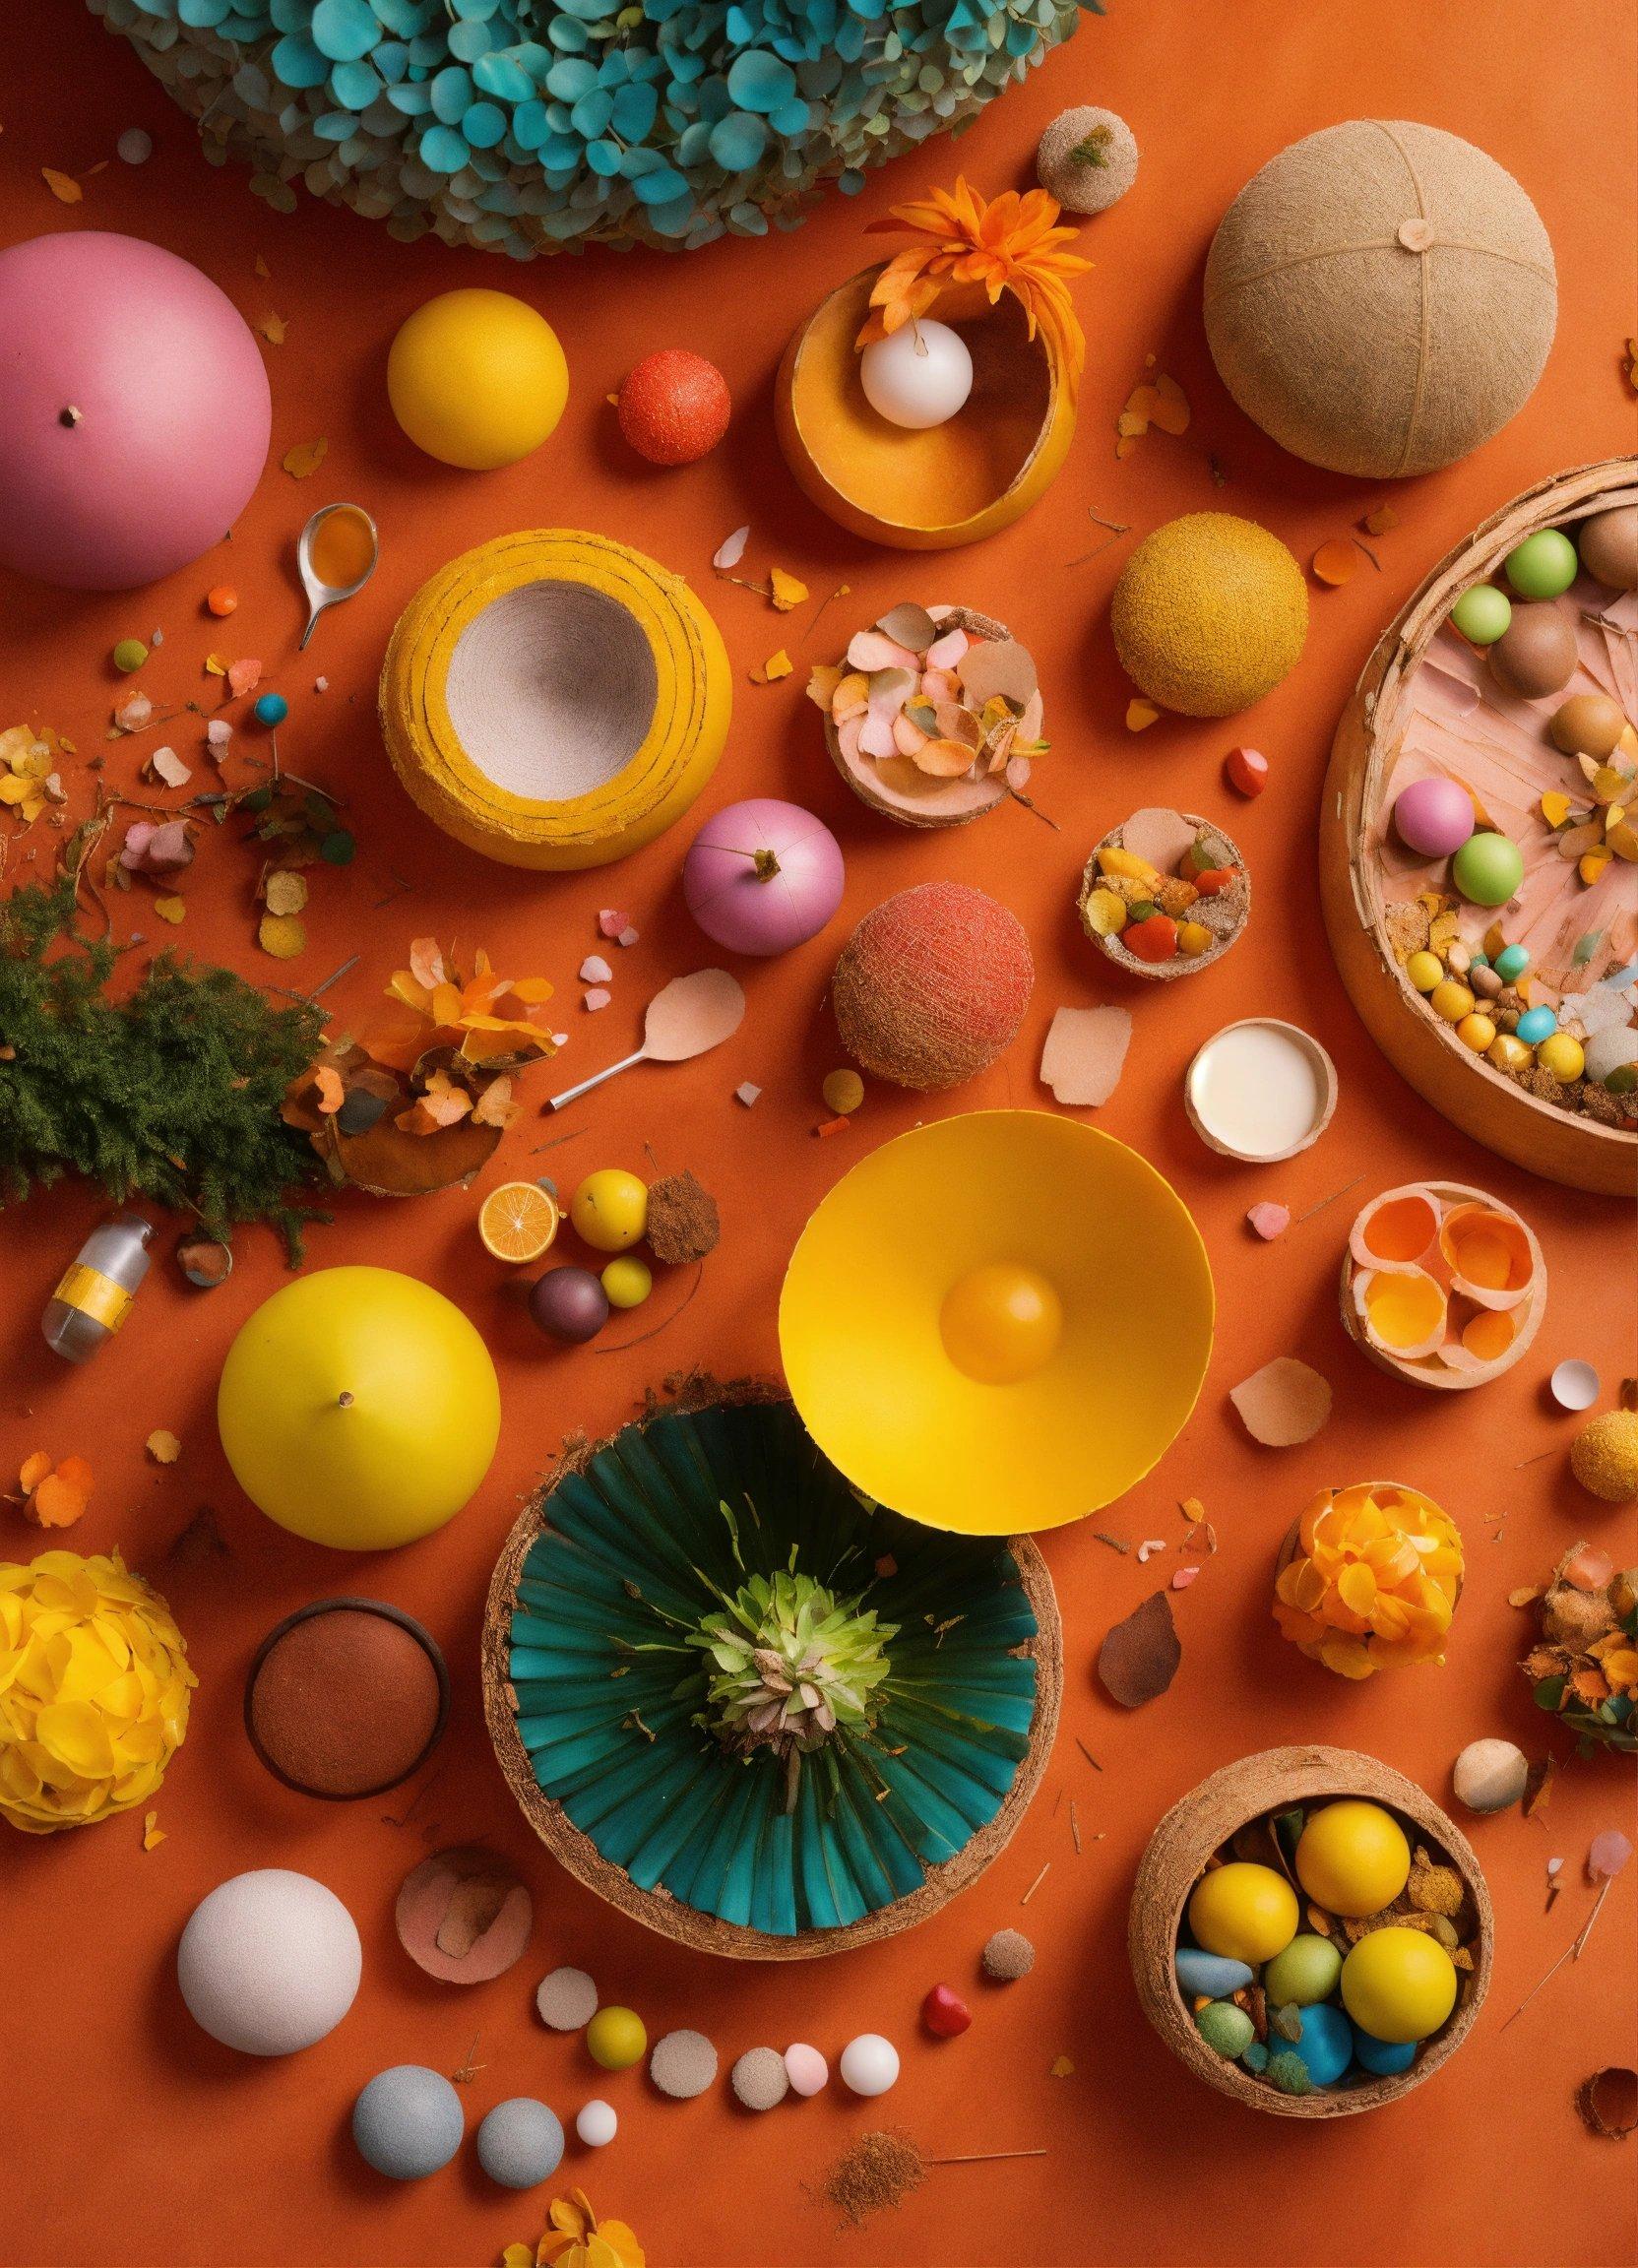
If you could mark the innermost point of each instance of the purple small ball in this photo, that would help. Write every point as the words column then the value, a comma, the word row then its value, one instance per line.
column 569, row 1303
column 1433, row 817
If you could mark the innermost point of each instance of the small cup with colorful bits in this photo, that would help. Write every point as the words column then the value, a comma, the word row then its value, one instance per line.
column 1324, row 1954
column 1165, row 894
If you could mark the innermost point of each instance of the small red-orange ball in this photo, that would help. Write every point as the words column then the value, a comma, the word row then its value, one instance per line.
column 223, row 599
column 675, row 406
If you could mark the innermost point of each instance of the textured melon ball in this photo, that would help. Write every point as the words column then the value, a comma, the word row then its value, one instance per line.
column 1210, row 613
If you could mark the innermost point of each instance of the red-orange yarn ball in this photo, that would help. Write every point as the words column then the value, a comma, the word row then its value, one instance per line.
column 675, row 406
column 932, row 985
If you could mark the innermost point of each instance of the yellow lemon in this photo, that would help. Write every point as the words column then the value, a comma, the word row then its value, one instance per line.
column 359, row 1408
column 1245, row 1913
column 1352, row 1857
column 476, row 379
column 1399, row 1984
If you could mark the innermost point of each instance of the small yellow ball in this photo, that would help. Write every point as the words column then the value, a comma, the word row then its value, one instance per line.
column 610, row 1209
column 843, row 1092
column 1399, row 1984
column 1245, row 1912
column 1562, row 1055
column 616, row 2039
column 1476, row 1031
column 1353, row 1858
column 627, row 1281
column 1450, row 1000
column 1001, row 1322
column 1424, row 969
column 1508, row 1053
column 477, row 378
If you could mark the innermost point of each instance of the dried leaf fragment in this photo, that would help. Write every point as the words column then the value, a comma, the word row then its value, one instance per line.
column 784, row 591
column 1334, row 562
column 63, row 186
column 164, row 1447
column 283, row 935
column 1139, row 1658
column 304, row 459
column 153, row 1834
column 1140, row 715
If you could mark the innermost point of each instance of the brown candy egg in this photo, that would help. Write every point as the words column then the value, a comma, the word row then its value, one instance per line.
column 1536, row 652
column 1588, row 724
column 1609, row 547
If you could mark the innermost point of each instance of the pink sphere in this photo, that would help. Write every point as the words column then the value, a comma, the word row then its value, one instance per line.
column 1433, row 817
column 134, row 411
column 763, row 876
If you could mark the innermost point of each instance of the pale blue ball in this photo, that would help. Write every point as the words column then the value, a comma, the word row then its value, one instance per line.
column 408, row 2122
column 519, row 2143
column 1537, row 1025
column 1324, row 2042
column 1383, row 2058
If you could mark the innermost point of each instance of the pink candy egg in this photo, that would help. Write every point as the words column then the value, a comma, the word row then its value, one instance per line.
column 134, row 411
column 805, row 2069
column 763, row 876
column 1433, row 817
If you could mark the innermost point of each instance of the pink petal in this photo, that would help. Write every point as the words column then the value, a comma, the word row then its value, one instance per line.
column 1270, row 1220
column 947, row 650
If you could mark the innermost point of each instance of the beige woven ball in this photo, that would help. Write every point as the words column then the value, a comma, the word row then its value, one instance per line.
column 1381, row 297
column 1087, row 158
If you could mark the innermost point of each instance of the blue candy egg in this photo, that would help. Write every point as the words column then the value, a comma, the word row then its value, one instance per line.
column 1209, row 1973
column 1384, row 2059
column 1324, row 2042
column 408, row 2122
column 1537, row 1025
column 1511, row 963
column 272, row 709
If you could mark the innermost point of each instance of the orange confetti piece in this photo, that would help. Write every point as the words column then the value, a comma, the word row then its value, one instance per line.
column 304, row 459
column 776, row 666
column 33, row 1472
column 153, row 1834
column 785, row 591
column 831, row 1127
column 1380, row 520
column 1140, row 715
column 170, row 909
column 273, row 329
column 1333, row 563
column 63, row 186
column 57, row 1495
column 164, row 1448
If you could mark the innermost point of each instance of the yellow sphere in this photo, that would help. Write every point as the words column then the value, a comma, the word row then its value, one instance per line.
column 610, row 1209
column 627, row 1282
column 1352, row 1857
column 1210, row 613
column 359, row 1408
column 1399, row 1984
column 616, row 2038
column 1450, row 1000
column 1245, row 1912
column 1001, row 1322
column 1508, row 1053
column 1475, row 1031
column 476, row 379
column 1563, row 1055
column 1424, row 969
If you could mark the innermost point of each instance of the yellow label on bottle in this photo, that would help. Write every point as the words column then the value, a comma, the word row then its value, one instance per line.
column 89, row 1292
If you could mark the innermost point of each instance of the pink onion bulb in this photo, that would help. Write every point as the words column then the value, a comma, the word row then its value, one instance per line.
column 763, row 876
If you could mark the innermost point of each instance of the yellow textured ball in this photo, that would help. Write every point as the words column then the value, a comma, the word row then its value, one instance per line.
column 1399, row 1984
column 1352, row 1857
column 476, row 379
column 1245, row 1912
column 94, row 1691
column 1604, row 1456
column 1381, row 297
column 1209, row 612
column 359, row 1408
column 616, row 2039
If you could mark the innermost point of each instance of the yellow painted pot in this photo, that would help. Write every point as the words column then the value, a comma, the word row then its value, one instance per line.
column 953, row 483
column 554, row 699
column 960, row 1331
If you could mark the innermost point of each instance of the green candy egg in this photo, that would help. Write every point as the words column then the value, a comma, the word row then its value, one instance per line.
column 1305, row 1972
column 1228, row 2028
column 1482, row 613
column 130, row 653
column 1543, row 566
column 1487, row 870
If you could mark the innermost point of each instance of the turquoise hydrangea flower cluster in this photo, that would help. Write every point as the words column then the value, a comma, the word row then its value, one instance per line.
column 530, row 126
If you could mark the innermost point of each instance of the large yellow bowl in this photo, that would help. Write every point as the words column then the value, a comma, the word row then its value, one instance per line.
column 863, row 1345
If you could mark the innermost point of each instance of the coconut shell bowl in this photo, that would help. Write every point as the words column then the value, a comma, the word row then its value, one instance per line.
column 1165, row 894
column 1252, row 1812
column 1442, row 1285
column 949, row 484
column 755, row 1712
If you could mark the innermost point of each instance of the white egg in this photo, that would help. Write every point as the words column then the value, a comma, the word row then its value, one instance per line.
column 918, row 377
column 269, row 1962
column 596, row 2123
column 869, row 2064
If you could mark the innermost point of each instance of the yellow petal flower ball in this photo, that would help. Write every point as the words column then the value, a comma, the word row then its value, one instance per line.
column 94, row 1691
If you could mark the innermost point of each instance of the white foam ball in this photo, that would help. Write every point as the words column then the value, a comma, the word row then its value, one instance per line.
column 596, row 2123
column 869, row 2064
column 269, row 1962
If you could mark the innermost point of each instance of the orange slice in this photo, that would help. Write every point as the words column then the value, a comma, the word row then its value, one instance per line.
column 518, row 1221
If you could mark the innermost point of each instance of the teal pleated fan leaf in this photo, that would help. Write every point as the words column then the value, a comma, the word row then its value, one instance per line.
column 758, row 1696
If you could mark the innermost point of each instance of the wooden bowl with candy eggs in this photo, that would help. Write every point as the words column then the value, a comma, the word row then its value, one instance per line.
column 1442, row 1285
column 932, row 715
column 1165, row 894
column 1231, row 1812
column 1431, row 706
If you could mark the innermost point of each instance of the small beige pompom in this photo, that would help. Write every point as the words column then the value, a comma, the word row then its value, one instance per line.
column 1087, row 159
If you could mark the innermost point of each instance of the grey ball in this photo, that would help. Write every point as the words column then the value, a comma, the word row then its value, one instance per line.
column 408, row 2122
column 519, row 2143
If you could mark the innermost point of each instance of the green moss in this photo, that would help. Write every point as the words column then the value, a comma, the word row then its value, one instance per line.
column 171, row 1093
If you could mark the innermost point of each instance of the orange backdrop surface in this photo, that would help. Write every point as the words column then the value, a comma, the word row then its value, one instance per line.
column 128, row 2135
